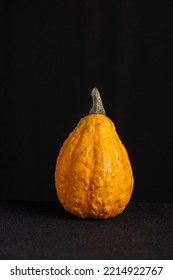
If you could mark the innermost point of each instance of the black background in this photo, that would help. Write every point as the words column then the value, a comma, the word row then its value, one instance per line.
column 53, row 54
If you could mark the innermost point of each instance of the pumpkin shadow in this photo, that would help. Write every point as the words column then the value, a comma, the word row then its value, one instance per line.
column 52, row 209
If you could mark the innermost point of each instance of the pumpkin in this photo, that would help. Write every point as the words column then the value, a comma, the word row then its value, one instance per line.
column 93, row 174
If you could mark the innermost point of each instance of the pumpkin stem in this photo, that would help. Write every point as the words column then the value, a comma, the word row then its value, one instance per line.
column 97, row 107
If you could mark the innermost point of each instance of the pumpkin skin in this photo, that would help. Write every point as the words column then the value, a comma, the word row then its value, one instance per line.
column 93, row 174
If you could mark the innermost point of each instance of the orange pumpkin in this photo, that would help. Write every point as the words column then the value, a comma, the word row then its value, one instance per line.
column 93, row 174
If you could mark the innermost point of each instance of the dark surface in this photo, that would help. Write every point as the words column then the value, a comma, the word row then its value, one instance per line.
column 43, row 230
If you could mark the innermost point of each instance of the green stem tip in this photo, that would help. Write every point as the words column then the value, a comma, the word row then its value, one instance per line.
column 97, row 107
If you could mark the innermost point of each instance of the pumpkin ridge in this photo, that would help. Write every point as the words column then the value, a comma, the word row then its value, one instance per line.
column 73, row 158
column 82, row 129
column 89, row 194
column 93, row 191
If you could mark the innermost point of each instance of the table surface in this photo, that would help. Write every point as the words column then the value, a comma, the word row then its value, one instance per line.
column 44, row 230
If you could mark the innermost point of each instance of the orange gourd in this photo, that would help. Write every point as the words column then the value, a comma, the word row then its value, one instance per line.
column 93, row 174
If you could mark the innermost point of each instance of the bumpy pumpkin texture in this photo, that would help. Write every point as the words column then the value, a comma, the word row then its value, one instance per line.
column 93, row 174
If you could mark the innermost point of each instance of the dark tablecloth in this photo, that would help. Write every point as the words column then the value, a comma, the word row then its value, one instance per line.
column 44, row 230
